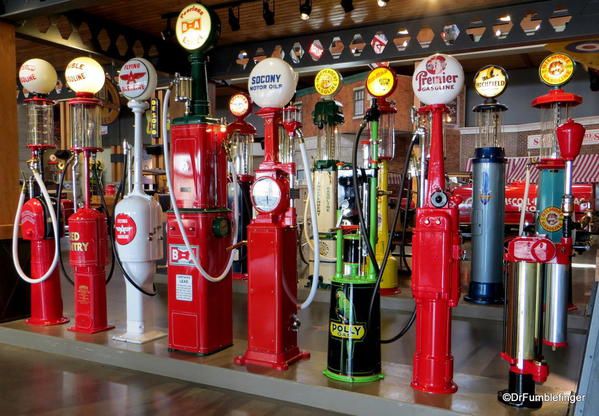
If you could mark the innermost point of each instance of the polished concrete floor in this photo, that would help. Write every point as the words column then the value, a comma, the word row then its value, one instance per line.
column 476, row 343
column 41, row 384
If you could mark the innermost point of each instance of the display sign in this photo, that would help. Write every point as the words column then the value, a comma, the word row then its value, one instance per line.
column 193, row 27
column 179, row 255
column 272, row 83
column 239, row 105
column 381, row 82
column 556, row 69
column 137, row 79
column 328, row 82
column 490, row 81
column 38, row 76
column 125, row 229
column 85, row 75
column 154, row 118
column 591, row 137
column 438, row 79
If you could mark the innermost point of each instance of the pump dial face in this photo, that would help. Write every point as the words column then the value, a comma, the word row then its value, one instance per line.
column 266, row 194
column 239, row 105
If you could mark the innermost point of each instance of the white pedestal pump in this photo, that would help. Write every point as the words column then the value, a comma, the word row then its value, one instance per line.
column 137, row 235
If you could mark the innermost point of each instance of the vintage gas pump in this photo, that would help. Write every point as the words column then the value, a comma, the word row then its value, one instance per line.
column 241, row 138
column 201, row 228
column 387, row 110
column 436, row 242
column 488, row 190
column 87, row 227
column 537, row 266
column 272, row 234
column 137, row 234
column 37, row 217
column 327, row 116
column 354, row 350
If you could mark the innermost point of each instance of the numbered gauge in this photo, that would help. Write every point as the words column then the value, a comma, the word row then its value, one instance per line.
column 266, row 195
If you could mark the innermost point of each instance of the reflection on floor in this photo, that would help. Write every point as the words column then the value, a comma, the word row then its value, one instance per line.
column 475, row 342
column 39, row 383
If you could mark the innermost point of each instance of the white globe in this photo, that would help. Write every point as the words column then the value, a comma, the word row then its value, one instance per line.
column 438, row 79
column 85, row 75
column 38, row 76
column 272, row 83
column 137, row 79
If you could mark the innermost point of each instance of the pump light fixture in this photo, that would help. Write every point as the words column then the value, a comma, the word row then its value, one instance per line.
column 234, row 19
column 382, row 3
column 305, row 9
column 267, row 13
column 348, row 5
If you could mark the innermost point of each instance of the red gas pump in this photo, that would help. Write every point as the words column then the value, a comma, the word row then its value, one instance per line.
column 437, row 80
column 201, row 228
column 88, row 232
column 241, row 138
column 37, row 217
column 272, row 234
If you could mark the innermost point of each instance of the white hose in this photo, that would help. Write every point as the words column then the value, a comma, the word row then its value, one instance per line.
column 316, row 272
column 15, row 232
column 524, row 204
column 167, row 167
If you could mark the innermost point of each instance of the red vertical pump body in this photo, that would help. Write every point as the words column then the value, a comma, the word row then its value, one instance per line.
column 272, row 264
column 88, row 231
column 46, row 299
column 435, row 271
column 199, row 311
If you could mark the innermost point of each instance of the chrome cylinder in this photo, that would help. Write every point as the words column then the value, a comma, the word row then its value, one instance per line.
column 522, row 310
column 555, row 321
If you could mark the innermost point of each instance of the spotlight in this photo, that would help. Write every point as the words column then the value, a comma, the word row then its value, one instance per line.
column 382, row 3
column 267, row 13
column 305, row 9
column 347, row 5
column 234, row 19
column 167, row 33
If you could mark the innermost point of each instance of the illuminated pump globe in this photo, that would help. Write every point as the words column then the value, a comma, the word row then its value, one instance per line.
column 438, row 79
column 38, row 76
column 85, row 75
column 272, row 83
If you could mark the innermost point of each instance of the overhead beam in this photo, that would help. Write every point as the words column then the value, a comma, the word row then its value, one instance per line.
column 478, row 31
column 92, row 35
column 20, row 9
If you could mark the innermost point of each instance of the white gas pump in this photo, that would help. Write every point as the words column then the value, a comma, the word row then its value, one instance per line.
column 137, row 233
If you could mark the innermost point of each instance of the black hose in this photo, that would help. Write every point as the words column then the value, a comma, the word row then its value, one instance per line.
column 115, row 253
column 379, row 271
column 108, row 220
column 404, row 225
column 58, row 214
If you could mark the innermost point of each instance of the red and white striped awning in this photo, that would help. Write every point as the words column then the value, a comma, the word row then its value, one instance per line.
column 586, row 169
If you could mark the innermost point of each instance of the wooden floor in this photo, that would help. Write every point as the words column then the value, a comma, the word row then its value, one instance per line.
column 476, row 342
column 37, row 383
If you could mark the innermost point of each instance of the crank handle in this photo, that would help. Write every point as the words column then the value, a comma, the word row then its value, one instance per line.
column 236, row 246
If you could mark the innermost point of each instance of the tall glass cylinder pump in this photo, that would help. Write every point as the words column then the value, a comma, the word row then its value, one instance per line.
column 86, row 122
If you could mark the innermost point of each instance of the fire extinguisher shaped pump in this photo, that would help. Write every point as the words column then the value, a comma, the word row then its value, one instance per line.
column 88, row 230
column 241, row 139
column 488, row 190
column 272, row 234
column 436, row 242
column 39, row 77
column 137, row 233
column 201, row 229
column 537, row 271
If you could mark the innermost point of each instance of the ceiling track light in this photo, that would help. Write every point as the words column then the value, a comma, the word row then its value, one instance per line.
column 267, row 14
column 234, row 19
column 305, row 9
column 382, row 3
column 347, row 5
